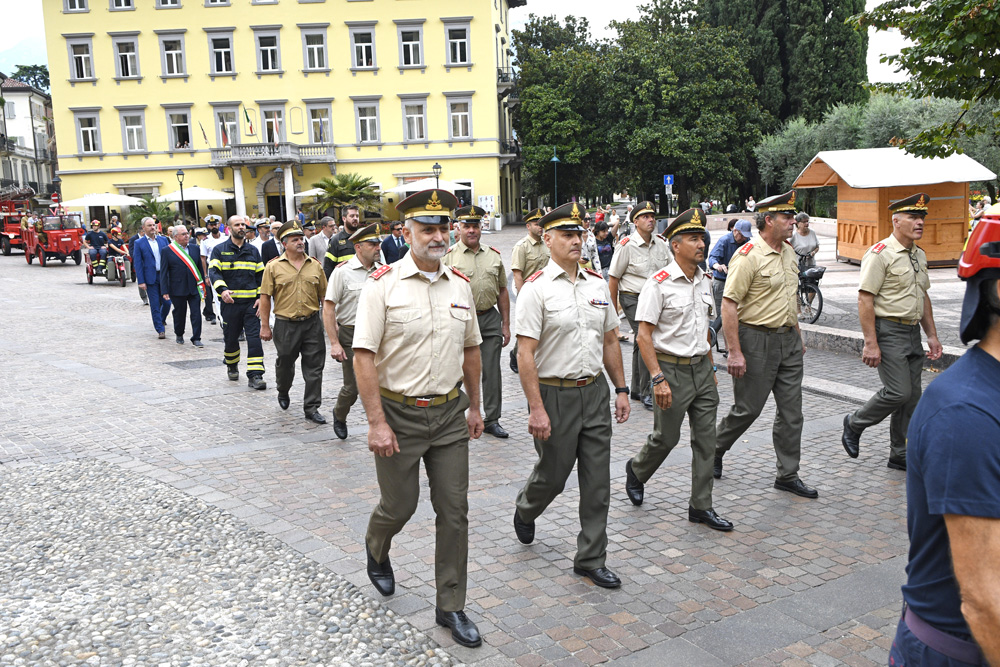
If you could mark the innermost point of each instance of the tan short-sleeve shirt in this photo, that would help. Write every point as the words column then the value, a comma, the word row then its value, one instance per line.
column 764, row 283
column 484, row 268
column 417, row 328
column 346, row 282
column 568, row 319
column 679, row 310
column 529, row 256
column 897, row 277
column 296, row 292
column 635, row 261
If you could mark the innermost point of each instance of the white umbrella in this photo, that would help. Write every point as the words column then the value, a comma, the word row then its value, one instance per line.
column 428, row 184
column 102, row 200
column 309, row 193
column 196, row 193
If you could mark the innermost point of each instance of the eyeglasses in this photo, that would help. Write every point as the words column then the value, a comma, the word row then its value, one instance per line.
column 914, row 262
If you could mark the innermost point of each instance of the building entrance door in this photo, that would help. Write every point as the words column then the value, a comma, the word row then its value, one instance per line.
column 274, row 207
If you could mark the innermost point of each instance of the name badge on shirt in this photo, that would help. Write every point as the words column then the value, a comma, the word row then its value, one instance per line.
column 598, row 302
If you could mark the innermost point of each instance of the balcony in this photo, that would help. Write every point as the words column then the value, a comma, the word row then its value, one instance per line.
column 252, row 156
column 505, row 79
column 513, row 98
column 510, row 153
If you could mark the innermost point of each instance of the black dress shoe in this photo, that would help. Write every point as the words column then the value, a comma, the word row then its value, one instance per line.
column 340, row 429
column 710, row 519
column 647, row 402
column 513, row 361
column 635, row 396
column 463, row 631
column 602, row 576
column 316, row 417
column 233, row 372
column 497, row 431
column 197, row 343
column 525, row 531
column 380, row 574
column 283, row 401
column 896, row 464
column 256, row 382
column 717, row 468
column 851, row 439
column 180, row 340
column 797, row 487
column 633, row 487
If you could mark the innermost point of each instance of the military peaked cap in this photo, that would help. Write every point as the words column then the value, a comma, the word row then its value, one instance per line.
column 568, row 217
column 913, row 204
column 431, row 207
column 784, row 203
column 691, row 221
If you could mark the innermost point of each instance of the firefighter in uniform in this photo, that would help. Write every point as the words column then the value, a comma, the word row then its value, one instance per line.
column 295, row 283
column 484, row 267
column 892, row 306
column 340, row 312
column 528, row 257
column 637, row 258
column 566, row 327
column 340, row 249
column 235, row 272
column 674, row 312
column 760, row 320
column 415, row 339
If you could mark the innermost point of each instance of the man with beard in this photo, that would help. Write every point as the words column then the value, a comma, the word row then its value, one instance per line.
column 415, row 339
column 892, row 306
column 340, row 248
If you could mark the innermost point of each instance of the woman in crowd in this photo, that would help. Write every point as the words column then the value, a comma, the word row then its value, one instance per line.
column 804, row 242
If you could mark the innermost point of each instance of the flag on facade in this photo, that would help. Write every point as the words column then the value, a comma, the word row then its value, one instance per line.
column 203, row 135
column 249, row 122
column 225, row 135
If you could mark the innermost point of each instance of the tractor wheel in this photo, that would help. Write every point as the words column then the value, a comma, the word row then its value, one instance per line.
column 78, row 256
column 41, row 257
column 6, row 245
column 90, row 275
column 122, row 278
column 28, row 256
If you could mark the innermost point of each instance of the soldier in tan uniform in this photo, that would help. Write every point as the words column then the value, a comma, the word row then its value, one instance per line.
column 416, row 337
column 892, row 306
column 760, row 320
column 637, row 258
column 674, row 311
column 483, row 265
column 529, row 256
column 567, row 333
column 340, row 311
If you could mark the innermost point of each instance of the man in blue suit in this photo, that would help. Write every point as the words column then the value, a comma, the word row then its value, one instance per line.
column 147, row 272
column 181, row 282
column 393, row 247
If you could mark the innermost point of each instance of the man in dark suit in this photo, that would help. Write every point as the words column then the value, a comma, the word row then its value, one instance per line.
column 147, row 272
column 180, row 282
column 271, row 249
column 393, row 247
column 131, row 251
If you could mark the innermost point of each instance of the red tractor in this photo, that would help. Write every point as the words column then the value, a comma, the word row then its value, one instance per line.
column 54, row 237
column 15, row 203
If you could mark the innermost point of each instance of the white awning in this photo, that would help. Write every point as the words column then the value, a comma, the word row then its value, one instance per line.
column 887, row 168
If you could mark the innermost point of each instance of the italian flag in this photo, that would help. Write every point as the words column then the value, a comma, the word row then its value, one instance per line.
column 182, row 253
column 249, row 122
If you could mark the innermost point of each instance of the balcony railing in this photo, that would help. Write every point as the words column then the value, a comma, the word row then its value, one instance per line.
column 265, row 154
column 505, row 78
column 510, row 148
column 513, row 97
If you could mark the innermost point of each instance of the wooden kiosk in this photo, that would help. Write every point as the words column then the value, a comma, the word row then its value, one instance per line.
column 870, row 179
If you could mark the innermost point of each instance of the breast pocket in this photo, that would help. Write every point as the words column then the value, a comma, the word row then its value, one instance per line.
column 458, row 322
column 774, row 278
column 560, row 314
column 707, row 306
column 403, row 325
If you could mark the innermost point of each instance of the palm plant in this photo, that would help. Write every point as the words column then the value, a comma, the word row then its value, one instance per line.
column 148, row 207
column 343, row 189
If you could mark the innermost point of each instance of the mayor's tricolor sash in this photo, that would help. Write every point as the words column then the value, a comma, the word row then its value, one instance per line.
column 182, row 253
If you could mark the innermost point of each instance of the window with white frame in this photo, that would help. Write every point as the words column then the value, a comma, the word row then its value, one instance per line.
column 126, row 57
column 367, row 121
column 414, row 120
column 179, row 121
column 459, row 119
column 222, row 54
column 410, row 51
column 226, row 127
column 81, row 60
column 9, row 109
column 76, row 6
column 168, row 4
column 133, row 132
column 172, row 49
column 88, row 133
column 268, row 52
column 119, row 5
column 216, row 3
column 319, row 125
column 363, row 42
column 273, row 125
column 458, row 44
column 315, row 55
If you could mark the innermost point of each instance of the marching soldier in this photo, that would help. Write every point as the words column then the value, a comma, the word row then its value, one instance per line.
column 637, row 258
column 760, row 317
column 892, row 305
column 528, row 257
column 296, row 283
column 340, row 312
column 484, row 267
column 674, row 311
column 560, row 307
column 340, row 249
column 235, row 272
column 415, row 339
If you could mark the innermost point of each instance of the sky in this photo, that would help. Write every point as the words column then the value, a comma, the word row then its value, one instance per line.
column 29, row 49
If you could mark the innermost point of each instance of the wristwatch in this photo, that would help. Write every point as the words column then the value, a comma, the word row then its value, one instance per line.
column 621, row 390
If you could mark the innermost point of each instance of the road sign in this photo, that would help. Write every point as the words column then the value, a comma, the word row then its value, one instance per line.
column 670, row 190
column 668, row 180
column 55, row 197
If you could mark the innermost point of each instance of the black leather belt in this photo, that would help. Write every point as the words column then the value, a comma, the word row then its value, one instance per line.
column 296, row 319
column 773, row 330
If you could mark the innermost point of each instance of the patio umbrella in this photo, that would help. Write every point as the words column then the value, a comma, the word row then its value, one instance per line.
column 428, row 184
column 196, row 193
column 309, row 193
column 103, row 200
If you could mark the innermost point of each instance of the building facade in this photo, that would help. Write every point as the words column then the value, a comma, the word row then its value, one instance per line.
column 27, row 144
column 263, row 98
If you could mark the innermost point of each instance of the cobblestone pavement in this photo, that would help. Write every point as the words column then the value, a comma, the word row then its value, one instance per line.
column 86, row 381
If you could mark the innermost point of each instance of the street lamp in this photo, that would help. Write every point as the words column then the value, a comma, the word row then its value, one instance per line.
column 56, row 183
column 280, row 173
column 437, row 175
column 180, row 181
column 555, row 177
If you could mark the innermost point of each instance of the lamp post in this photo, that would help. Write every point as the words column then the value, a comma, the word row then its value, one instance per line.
column 437, row 175
column 280, row 173
column 555, row 177
column 180, row 181
column 56, row 183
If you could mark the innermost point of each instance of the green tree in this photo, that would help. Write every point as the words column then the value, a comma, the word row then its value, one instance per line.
column 33, row 75
column 343, row 189
column 149, row 207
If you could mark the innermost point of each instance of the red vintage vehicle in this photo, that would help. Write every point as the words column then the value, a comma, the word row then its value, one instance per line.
column 15, row 203
column 54, row 237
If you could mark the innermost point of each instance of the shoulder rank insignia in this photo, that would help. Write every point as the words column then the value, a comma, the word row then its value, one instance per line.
column 381, row 272
column 623, row 241
column 594, row 273
column 459, row 274
column 878, row 247
column 662, row 237
column 746, row 248
column 661, row 276
column 493, row 249
column 533, row 276
column 450, row 248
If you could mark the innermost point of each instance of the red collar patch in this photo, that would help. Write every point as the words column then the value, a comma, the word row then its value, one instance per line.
column 381, row 272
column 745, row 248
column 661, row 276
column 623, row 241
column 493, row 249
column 533, row 276
column 594, row 273
column 459, row 274
column 878, row 247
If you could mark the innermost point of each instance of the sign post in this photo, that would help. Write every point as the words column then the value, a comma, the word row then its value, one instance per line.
column 668, row 185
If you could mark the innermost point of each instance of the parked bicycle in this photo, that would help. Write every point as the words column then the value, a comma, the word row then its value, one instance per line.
column 809, row 296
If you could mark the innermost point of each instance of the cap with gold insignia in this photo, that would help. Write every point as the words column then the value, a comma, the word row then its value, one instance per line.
column 263, row 222
column 642, row 208
column 568, row 217
column 431, row 207
column 534, row 214
column 290, row 228
column 784, row 203
column 691, row 221
column 915, row 204
column 469, row 213
column 369, row 234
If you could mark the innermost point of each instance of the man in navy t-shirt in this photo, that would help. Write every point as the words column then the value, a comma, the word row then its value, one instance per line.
column 96, row 242
column 952, row 593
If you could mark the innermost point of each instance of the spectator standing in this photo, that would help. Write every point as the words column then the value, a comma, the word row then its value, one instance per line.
column 270, row 248
column 751, row 204
column 214, row 238
column 605, row 246
column 182, row 282
column 804, row 242
column 319, row 242
column 393, row 246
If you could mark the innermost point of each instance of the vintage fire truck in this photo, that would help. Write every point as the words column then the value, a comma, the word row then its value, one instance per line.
column 54, row 237
column 15, row 203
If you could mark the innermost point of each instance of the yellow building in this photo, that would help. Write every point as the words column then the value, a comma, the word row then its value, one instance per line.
column 262, row 98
